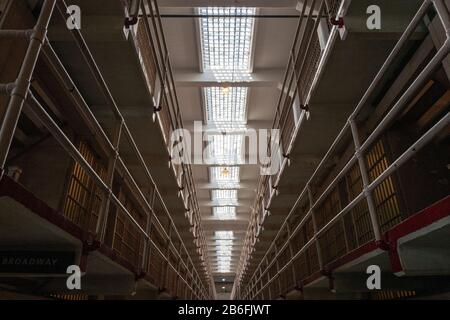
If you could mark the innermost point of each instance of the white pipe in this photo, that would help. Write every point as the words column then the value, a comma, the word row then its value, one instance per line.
column 20, row 90
column 434, row 63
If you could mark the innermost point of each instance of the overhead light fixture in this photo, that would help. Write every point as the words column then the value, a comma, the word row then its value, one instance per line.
column 224, row 173
column 225, row 90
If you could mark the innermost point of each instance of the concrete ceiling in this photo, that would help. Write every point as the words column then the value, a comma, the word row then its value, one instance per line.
column 273, row 38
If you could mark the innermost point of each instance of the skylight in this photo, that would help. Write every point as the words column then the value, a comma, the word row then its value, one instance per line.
column 224, row 235
column 224, row 175
column 224, row 259
column 225, row 213
column 226, row 51
column 224, row 243
column 226, row 106
column 226, row 42
column 224, row 194
column 225, row 149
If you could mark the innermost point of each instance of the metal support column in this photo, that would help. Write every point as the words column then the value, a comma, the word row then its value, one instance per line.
column 102, row 220
column 313, row 218
column 365, row 180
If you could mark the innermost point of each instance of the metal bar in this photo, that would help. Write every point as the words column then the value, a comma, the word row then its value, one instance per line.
column 365, row 180
column 6, row 89
column 429, row 135
column 420, row 80
column 392, row 56
column 79, row 102
column 303, row 61
column 313, row 217
column 442, row 53
column 20, row 91
column 104, row 209
column 16, row 34
column 177, row 122
column 443, row 14
column 67, row 145
column 90, row 118
column 257, row 16
column 90, row 61
column 297, row 38
column 110, row 100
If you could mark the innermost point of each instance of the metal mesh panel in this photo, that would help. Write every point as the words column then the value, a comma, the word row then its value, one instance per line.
column 83, row 197
column 128, row 241
column 328, row 209
column 332, row 243
column 146, row 55
column 310, row 68
column 359, row 215
column 385, row 195
column 155, row 267
column 226, row 42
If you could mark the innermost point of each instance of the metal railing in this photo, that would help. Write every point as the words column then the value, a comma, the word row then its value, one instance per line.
column 305, row 65
column 167, row 112
column 262, row 279
column 20, row 93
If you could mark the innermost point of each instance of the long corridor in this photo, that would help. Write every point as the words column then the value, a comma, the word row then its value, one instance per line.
column 224, row 150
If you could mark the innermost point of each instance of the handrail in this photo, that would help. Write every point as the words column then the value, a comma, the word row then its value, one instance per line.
column 165, row 73
column 300, row 51
column 38, row 42
column 410, row 29
column 62, row 8
column 361, row 149
column 59, row 135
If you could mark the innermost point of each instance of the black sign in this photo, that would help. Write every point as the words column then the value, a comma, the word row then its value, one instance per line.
column 49, row 262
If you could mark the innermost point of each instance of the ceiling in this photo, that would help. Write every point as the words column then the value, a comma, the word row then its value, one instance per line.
column 225, row 80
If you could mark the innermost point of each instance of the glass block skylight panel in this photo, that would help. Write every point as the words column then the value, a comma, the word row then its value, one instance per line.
column 224, row 269
column 224, row 251
column 224, row 174
column 225, row 106
column 224, row 242
column 224, row 213
column 225, row 235
column 224, row 194
column 226, row 42
column 225, row 149
column 223, row 258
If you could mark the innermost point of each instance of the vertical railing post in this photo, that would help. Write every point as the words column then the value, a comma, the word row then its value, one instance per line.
column 167, row 253
column 365, row 180
column 106, row 201
column 20, row 91
column 313, row 218
column 147, row 244
column 291, row 251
